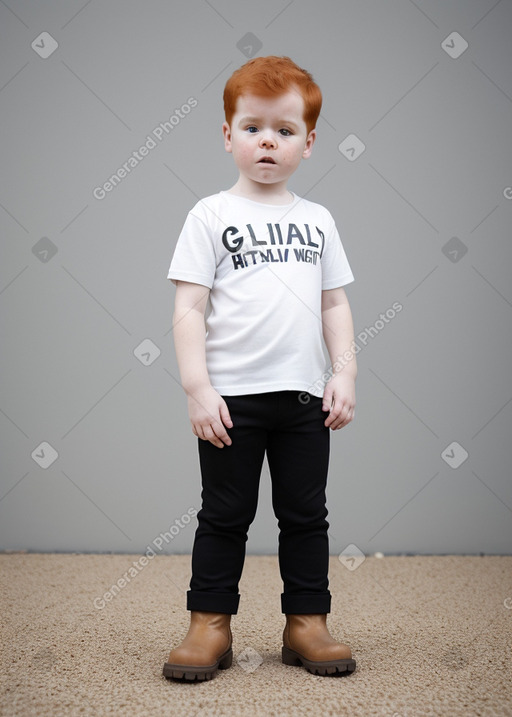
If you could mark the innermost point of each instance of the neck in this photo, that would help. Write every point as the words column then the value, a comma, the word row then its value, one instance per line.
column 276, row 193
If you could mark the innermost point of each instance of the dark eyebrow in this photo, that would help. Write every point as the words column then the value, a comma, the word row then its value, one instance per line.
column 244, row 120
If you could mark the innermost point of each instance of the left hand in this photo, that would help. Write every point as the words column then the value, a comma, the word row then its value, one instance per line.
column 340, row 400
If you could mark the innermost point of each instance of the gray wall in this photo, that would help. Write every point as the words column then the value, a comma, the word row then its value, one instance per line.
column 88, row 362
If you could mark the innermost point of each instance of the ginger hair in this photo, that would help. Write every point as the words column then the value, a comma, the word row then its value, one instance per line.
column 270, row 77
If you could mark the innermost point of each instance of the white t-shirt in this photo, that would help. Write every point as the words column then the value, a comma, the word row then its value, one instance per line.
column 266, row 266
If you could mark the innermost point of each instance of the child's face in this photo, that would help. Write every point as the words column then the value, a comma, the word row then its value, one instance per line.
column 268, row 128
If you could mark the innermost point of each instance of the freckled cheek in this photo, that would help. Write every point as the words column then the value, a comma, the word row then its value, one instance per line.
column 245, row 155
column 288, row 158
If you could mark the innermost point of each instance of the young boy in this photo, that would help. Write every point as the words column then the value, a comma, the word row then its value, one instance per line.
column 272, row 266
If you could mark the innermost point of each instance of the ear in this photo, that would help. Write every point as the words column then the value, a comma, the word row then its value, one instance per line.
column 226, row 131
column 310, row 141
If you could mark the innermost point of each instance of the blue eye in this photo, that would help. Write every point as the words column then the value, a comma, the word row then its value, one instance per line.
column 252, row 129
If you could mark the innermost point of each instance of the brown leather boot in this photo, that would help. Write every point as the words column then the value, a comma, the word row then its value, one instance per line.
column 205, row 649
column 307, row 642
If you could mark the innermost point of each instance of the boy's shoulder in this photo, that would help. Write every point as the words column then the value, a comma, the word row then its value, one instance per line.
column 208, row 206
column 316, row 207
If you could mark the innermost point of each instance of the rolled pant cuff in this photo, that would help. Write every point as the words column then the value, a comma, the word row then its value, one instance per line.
column 305, row 604
column 201, row 601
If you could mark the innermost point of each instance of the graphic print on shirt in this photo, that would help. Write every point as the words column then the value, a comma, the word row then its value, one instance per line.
column 279, row 243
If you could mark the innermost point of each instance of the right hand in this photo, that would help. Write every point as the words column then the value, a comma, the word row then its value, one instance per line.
column 209, row 416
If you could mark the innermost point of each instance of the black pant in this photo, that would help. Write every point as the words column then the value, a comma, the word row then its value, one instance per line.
column 289, row 426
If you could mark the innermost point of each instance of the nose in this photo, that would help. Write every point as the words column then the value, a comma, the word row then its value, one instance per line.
column 267, row 140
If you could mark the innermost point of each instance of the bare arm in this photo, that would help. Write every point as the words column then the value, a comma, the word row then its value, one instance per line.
column 338, row 332
column 208, row 412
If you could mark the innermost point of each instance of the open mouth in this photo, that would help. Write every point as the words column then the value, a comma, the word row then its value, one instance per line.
column 266, row 160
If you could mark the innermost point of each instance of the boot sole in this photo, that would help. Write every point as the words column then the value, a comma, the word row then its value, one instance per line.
column 326, row 667
column 193, row 673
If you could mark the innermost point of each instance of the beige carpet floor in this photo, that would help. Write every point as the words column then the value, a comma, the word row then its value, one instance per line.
column 431, row 636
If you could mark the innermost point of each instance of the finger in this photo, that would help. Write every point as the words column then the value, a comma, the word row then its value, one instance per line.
column 346, row 421
column 224, row 437
column 340, row 413
column 327, row 400
column 197, row 429
column 211, row 436
column 333, row 418
column 202, row 433
column 225, row 416
column 328, row 421
column 221, row 433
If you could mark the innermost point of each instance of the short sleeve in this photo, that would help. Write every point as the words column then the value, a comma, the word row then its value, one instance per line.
column 336, row 270
column 194, row 257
